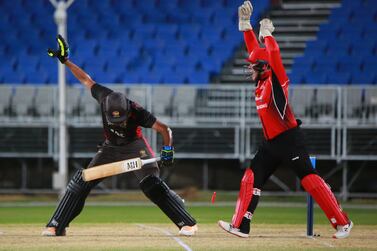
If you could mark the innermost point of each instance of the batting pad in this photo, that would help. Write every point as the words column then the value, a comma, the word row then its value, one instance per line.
column 71, row 203
column 168, row 201
column 244, row 197
column 325, row 198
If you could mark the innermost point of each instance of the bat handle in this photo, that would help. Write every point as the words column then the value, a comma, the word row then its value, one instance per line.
column 148, row 161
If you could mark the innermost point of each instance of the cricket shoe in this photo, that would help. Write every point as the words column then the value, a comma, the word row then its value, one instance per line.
column 51, row 231
column 343, row 231
column 230, row 229
column 188, row 230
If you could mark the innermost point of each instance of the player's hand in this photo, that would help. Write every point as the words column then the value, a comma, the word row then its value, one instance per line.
column 62, row 53
column 266, row 29
column 167, row 156
column 244, row 14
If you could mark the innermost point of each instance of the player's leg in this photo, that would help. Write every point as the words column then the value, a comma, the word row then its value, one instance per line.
column 73, row 200
column 167, row 200
column 160, row 194
column 325, row 198
column 298, row 159
column 262, row 166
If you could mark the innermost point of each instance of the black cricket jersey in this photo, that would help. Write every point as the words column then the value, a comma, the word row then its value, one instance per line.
column 139, row 117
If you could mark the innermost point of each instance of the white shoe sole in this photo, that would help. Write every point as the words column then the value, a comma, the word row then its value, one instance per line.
column 227, row 228
column 188, row 231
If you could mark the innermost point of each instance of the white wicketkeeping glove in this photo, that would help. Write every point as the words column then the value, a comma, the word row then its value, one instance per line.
column 266, row 29
column 244, row 14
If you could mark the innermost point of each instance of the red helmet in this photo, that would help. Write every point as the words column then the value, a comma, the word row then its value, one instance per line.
column 258, row 54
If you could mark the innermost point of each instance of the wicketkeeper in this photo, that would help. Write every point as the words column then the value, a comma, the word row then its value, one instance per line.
column 284, row 143
column 122, row 121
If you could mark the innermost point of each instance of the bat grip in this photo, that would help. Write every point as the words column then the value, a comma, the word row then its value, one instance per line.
column 148, row 161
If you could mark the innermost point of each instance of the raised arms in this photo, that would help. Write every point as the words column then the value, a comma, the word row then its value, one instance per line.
column 62, row 53
column 244, row 14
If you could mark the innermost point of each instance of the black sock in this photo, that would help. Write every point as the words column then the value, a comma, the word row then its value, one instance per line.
column 246, row 220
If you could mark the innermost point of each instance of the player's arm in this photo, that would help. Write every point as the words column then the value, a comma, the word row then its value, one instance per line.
column 167, row 151
column 80, row 74
column 273, row 50
column 62, row 53
column 244, row 14
column 165, row 131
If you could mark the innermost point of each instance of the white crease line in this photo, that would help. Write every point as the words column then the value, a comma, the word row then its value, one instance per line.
column 323, row 242
column 179, row 241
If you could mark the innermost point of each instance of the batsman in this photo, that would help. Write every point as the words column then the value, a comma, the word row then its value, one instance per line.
column 122, row 120
column 283, row 143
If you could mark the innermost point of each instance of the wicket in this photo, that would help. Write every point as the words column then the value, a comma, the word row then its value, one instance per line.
column 310, row 210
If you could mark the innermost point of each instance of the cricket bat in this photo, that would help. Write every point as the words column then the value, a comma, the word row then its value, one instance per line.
column 114, row 168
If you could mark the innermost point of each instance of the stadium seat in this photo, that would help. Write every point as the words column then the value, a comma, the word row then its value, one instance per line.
column 363, row 78
column 316, row 77
column 339, row 78
column 109, row 29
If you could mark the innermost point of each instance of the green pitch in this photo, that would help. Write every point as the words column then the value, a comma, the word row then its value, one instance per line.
column 142, row 228
column 151, row 214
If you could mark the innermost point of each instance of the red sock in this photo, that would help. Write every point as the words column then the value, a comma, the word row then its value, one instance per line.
column 325, row 198
column 244, row 197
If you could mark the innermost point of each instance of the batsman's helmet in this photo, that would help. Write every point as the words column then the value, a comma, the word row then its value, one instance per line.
column 116, row 107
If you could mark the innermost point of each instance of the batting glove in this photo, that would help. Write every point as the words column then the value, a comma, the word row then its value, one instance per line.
column 244, row 14
column 62, row 53
column 266, row 29
column 167, row 156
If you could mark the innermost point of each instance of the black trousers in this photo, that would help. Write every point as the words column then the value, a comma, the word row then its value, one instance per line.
column 287, row 149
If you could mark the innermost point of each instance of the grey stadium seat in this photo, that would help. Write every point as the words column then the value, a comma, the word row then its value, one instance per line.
column 353, row 102
column 137, row 94
column 5, row 98
column 45, row 98
column 89, row 107
column 73, row 97
column 184, row 101
column 22, row 102
column 300, row 99
column 162, row 100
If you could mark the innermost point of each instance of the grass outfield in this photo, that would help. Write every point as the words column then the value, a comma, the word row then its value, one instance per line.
column 146, row 228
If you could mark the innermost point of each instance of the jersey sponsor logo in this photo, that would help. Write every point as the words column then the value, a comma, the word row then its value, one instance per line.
column 258, row 98
column 117, row 133
column 262, row 106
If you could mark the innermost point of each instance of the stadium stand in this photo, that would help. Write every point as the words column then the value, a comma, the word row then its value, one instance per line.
column 122, row 41
column 345, row 49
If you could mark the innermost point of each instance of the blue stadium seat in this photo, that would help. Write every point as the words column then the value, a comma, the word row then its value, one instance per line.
column 313, row 47
column 339, row 78
column 14, row 77
column 316, row 77
column 40, row 77
column 174, row 79
column 152, row 78
column 363, row 78
column 177, row 28
column 296, row 78
column 198, row 77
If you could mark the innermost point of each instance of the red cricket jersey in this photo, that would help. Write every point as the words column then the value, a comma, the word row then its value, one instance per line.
column 271, row 94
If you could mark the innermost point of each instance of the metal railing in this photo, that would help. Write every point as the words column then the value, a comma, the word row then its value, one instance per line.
column 339, row 121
